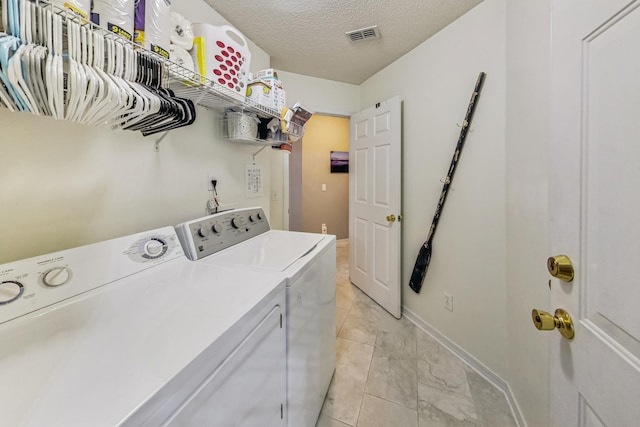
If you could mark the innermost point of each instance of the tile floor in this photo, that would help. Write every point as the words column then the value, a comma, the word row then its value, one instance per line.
column 389, row 373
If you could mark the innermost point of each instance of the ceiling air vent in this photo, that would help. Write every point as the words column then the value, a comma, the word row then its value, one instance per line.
column 364, row 34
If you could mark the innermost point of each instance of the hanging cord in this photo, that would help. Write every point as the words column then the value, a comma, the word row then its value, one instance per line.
column 214, row 183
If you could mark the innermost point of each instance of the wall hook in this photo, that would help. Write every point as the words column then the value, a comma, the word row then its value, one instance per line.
column 464, row 124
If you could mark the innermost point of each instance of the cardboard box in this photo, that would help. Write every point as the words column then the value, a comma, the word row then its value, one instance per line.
column 267, row 74
column 279, row 98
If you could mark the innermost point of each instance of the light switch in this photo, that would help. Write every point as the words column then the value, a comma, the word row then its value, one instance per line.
column 324, row 187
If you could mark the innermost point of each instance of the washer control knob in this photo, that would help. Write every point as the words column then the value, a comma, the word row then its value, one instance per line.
column 259, row 215
column 216, row 228
column 252, row 218
column 235, row 223
column 153, row 248
column 203, row 231
column 10, row 291
column 56, row 276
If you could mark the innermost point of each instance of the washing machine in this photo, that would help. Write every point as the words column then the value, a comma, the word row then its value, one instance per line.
column 242, row 239
column 129, row 332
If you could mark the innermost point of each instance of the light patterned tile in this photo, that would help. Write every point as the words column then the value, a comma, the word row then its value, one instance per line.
column 396, row 336
column 345, row 294
column 325, row 421
column 361, row 324
column 378, row 412
column 491, row 404
column 341, row 315
column 394, row 378
column 347, row 388
column 442, row 379
column 430, row 416
column 393, row 375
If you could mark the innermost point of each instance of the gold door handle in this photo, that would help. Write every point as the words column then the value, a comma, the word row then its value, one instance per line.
column 560, row 266
column 544, row 321
column 391, row 218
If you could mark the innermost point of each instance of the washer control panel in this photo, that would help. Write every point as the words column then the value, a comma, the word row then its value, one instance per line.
column 207, row 235
column 34, row 283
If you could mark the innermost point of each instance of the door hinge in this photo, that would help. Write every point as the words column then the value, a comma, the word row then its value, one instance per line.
column 281, row 411
column 280, row 320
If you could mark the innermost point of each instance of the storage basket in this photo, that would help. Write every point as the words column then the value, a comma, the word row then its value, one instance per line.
column 242, row 126
column 221, row 54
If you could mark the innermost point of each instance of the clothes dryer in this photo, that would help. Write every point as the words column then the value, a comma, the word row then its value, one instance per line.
column 128, row 332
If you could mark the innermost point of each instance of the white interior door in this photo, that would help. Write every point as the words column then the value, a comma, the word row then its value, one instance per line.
column 595, row 210
column 374, row 203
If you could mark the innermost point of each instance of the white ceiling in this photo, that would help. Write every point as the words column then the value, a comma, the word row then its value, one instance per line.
column 308, row 36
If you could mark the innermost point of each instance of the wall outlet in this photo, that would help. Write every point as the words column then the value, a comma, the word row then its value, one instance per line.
column 274, row 196
column 210, row 177
column 324, row 228
column 448, row 301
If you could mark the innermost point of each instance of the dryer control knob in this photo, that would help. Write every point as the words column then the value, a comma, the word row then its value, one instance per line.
column 56, row 276
column 153, row 248
column 235, row 223
column 259, row 215
column 203, row 231
column 10, row 291
column 216, row 228
column 252, row 218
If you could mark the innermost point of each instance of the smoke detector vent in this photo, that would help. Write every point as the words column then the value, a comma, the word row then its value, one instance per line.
column 364, row 34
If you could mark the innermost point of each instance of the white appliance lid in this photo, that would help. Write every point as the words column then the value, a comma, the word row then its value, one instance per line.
column 274, row 250
column 93, row 359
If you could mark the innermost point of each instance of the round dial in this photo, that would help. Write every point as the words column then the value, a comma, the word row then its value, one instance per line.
column 235, row 223
column 259, row 215
column 56, row 276
column 203, row 231
column 252, row 218
column 10, row 291
column 216, row 228
column 153, row 248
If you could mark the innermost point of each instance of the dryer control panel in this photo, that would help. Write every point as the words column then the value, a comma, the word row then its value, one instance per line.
column 210, row 234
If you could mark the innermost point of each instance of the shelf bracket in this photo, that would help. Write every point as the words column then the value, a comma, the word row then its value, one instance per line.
column 258, row 152
column 158, row 141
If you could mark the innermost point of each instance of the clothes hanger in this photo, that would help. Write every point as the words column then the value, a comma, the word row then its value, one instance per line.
column 16, row 78
column 8, row 45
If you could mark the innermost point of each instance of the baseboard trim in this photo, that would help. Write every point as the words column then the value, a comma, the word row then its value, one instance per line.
column 470, row 361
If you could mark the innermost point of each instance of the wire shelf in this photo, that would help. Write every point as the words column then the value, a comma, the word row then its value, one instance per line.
column 185, row 83
column 205, row 92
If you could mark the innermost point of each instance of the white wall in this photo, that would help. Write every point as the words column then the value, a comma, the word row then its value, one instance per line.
column 527, row 151
column 435, row 82
column 63, row 185
column 321, row 95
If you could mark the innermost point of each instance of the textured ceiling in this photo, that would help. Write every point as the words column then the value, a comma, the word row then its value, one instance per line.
column 308, row 36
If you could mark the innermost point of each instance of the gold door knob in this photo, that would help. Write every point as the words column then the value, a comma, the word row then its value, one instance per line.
column 391, row 218
column 544, row 321
column 560, row 266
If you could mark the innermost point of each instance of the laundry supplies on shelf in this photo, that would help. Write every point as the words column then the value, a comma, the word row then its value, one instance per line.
column 152, row 26
column 80, row 8
column 181, row 32
column 93, row 79
column 222, row 55
column 114, row 15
